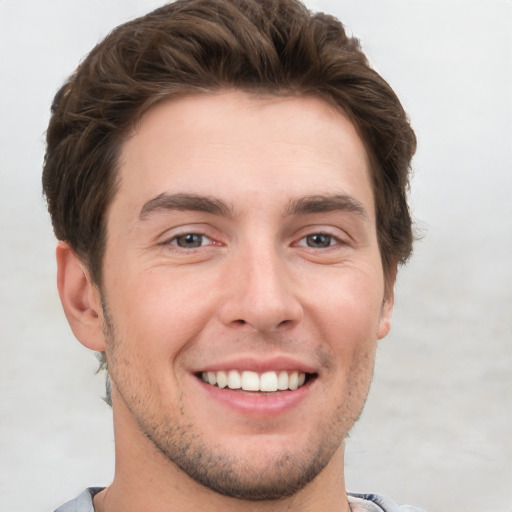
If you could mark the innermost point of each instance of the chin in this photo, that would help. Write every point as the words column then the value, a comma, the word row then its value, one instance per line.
column 270, row 478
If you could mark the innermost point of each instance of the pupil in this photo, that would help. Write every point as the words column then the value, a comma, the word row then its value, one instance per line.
column 189, row 240
column 319, row 240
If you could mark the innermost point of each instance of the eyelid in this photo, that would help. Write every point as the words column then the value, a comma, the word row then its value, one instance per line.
column 337, row 242
column 168, row 237
column 199, row 228
column 185, row 233
column 338, row 234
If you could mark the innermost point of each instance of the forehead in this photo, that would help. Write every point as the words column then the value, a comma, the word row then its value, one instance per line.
column 233, row 145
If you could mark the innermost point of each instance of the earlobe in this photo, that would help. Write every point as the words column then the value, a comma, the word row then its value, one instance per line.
column 387, row 304
column 385, row 316
column 80, row 298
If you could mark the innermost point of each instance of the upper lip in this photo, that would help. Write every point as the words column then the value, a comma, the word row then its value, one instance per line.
column 258, row 364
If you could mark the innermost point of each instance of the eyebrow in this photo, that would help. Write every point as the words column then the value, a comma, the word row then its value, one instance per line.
column 182, row 202
column 215, row 206
column 327, row 203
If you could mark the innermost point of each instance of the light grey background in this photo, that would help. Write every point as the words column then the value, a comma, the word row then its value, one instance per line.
column 437, row 428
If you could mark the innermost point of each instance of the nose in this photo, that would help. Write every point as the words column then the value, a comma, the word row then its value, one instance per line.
column 260, row 293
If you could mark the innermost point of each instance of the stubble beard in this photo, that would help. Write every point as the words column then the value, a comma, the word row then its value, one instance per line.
column 225, row 474
column 215, row 467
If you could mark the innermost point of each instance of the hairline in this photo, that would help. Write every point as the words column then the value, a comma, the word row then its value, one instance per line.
column 183, row 91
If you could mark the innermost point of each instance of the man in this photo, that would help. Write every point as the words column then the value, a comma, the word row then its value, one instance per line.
column 227, row 180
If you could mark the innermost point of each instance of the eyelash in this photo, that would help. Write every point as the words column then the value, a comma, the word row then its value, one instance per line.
column 332, row 239
column 174, row 241
column 205, row 240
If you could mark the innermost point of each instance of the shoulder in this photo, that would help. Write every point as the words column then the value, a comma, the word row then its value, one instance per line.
column 376, row 503
column 82, row 503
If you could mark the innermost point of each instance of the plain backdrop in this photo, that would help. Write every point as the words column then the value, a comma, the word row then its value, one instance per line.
column 436, row 431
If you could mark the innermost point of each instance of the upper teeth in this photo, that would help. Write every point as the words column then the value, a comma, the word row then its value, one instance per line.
column 252, row 381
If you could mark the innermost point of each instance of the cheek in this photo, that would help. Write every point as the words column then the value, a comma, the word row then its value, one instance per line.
column 351, row 305
column 159, row 314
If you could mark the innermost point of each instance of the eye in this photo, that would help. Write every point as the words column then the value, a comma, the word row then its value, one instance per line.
column 190, row 240
column 318, row 241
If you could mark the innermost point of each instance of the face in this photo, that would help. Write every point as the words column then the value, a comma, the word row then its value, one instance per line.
column 243, row 288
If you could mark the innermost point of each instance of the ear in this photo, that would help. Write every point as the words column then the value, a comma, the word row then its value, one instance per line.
column 387, row 304
column 80, row 299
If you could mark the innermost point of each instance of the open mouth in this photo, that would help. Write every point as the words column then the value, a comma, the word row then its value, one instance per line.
column 252, row 381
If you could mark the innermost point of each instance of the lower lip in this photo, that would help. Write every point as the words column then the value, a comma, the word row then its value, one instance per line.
column 255, row 403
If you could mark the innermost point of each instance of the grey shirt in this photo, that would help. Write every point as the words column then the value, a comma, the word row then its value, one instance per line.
column 358, row 503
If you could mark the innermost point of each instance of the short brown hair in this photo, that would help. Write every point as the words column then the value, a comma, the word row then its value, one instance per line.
column 197, row 46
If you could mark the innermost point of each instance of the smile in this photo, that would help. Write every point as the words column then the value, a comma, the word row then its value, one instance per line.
column 252, row 381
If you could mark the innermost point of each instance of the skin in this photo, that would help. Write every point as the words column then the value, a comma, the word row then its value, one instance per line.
column 285, row 270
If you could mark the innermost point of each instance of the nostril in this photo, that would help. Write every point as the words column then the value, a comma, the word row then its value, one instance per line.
column 240, row 321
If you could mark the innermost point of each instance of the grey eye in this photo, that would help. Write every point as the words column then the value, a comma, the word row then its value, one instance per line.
column 190, row 240
column 319, row 241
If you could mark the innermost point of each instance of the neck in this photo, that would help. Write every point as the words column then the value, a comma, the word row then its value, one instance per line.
column 146, row 480
column 132, row 492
